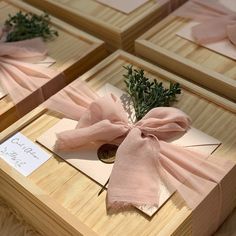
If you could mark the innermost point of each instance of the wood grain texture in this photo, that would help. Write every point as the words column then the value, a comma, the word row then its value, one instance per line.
column 228, row 228
column 74, row 51
column 205, row 67
column 78, row 194
column 37, row 208
column 119, row 30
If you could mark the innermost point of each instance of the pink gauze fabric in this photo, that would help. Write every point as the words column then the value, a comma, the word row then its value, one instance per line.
column 144, row 155
column 216, row 22
column 19, row 73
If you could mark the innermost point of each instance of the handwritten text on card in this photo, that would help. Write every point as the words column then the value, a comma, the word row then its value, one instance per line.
column 22, row 154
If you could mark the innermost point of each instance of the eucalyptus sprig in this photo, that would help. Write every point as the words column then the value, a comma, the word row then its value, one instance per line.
column 24, row 26
column 147, row 94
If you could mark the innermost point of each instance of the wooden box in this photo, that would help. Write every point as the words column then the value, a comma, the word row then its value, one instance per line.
column 196, row 63
column 118, row 29
column 74, row 51
column 57, row 199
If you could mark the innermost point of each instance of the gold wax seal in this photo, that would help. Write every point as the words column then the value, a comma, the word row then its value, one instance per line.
column 107, row 152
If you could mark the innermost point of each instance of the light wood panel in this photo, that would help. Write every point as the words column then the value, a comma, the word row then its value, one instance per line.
column 74, row 51
column 77, row 194
column 118, row 29
column 162, row 46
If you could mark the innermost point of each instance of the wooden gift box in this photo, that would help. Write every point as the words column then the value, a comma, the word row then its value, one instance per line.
column 162, row 46
column 74, row 51
column 118, row 29
column 57, row 199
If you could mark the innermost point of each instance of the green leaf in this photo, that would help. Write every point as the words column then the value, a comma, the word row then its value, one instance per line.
column 146, row 94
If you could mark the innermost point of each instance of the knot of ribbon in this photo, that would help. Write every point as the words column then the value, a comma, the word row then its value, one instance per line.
column 216, row 22
column 145, row 156
column 20, row 74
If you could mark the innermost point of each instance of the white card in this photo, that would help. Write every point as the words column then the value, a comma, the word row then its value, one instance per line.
column 22, row 154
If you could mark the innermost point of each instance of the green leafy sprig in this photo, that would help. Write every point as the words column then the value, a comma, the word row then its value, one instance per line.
column 24, row 26
column 147, row 94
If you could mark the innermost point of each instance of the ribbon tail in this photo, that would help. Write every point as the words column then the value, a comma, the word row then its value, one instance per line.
column 32, row 69
column 31, row 49
column 22, row 74
column 191, row 173
column 135, row 177
column 16, row 88
column 73, row 101
column 210, row 31
column 213, row 6
column 21, row 79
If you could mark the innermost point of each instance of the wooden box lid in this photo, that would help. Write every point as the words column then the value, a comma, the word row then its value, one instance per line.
column 65, row 198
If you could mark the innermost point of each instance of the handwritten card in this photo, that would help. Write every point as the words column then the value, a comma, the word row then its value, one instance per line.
column 22, row 154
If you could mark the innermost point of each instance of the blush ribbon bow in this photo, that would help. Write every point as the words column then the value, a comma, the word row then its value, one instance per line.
column 144, row 156
column 216, row 22
column 20, row 74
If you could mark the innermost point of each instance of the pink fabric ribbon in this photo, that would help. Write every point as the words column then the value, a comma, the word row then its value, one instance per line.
column 216, row 22
column 19, row 76
column 144, row 156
